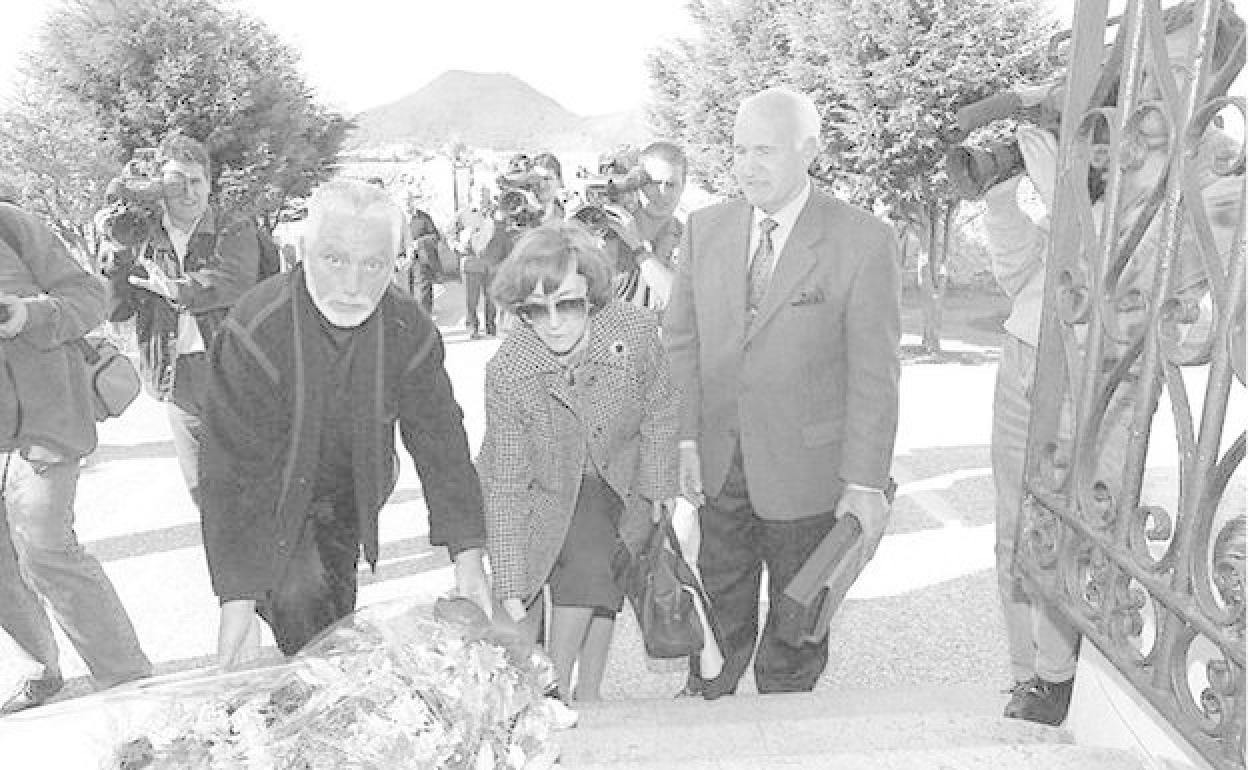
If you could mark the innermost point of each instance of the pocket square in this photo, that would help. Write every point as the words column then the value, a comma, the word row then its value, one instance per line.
column 809, row 297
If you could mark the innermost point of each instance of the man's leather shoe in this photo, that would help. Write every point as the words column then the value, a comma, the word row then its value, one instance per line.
column 33, row 692
column 1041, row 701
column 691, row 689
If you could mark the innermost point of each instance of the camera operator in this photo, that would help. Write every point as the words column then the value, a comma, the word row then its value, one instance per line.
column 1042, row 645
column 618, row 235
column 665, row 168
column 182, row 270
column 647, row 187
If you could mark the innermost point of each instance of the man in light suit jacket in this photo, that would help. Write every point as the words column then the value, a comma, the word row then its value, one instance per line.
column 783, row 333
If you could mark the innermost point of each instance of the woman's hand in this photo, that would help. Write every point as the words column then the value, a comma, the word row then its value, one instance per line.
column 515, row 609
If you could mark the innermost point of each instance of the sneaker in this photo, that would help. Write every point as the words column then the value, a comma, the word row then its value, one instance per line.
column 33, row 692
column 1041, row 701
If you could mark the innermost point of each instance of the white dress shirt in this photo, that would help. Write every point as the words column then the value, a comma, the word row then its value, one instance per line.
column 785, row 219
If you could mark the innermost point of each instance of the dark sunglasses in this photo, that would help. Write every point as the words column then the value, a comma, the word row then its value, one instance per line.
column 541, row 312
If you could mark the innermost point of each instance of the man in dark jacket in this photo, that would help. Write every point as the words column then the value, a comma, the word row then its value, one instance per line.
column 310, row 374
column 178, row 282
column 46, row 425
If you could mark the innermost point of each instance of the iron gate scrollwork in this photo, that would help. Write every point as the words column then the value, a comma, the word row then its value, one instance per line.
column 1144, row 308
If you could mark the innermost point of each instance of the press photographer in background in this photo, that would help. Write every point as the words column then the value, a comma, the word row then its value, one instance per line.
column 180, row 267
column 616, row 232
column 1043, row 647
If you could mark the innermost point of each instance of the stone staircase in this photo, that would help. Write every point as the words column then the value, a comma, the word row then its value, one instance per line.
column 945, row 727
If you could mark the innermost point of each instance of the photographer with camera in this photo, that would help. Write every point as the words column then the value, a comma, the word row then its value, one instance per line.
column 1042, row 644
column 47, row 302
column 184, row 266
column 646, row 188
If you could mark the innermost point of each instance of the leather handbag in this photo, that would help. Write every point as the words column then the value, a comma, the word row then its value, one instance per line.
column 114, row 381
column 662, row 590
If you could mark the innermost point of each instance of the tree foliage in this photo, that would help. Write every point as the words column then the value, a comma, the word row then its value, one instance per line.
column 131, row 71
column 57, row 162
column 696, row 84
column 888, row 77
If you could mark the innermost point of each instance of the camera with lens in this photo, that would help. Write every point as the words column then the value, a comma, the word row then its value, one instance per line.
column 519, row 188
column 973, row 169
column 620, row 177
column 520, row 209
column 133, row 199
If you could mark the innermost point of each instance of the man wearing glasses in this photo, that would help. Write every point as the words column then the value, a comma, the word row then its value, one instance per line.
column 177, row 282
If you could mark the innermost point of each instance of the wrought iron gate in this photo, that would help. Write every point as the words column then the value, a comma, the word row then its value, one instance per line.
column 1144, row 305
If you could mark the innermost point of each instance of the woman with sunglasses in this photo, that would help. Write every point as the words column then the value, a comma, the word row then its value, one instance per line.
column 579, row 448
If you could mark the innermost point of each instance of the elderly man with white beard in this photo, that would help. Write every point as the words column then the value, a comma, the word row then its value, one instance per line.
column 310, row 375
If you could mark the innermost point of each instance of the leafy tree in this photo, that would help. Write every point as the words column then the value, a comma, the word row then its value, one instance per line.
column 904, row 69
column 888, row 77
column 697, row 84
column 144, row 68
column 57, row 161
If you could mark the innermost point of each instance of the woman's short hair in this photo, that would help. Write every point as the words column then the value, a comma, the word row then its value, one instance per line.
column 543, row 256
column 354, row 198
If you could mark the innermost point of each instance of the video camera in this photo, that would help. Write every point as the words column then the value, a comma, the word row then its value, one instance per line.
column 620, row 177
column 973, row 170
column 521, row 209
column 518, row 193
column 133, row 199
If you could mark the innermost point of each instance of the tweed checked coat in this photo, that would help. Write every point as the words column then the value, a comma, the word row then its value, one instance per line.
column 618, row 406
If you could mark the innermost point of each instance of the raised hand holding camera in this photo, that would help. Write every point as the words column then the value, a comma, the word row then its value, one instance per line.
column 1039, row 151
column 156, row 280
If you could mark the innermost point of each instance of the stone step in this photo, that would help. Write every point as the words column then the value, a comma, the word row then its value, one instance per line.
column 751, row 728
column 1040, row 756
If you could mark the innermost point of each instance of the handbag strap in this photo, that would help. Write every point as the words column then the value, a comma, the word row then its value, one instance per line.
column 89, row 353
column 695, row 583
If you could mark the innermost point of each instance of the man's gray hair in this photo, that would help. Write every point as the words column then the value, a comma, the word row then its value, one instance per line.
column 795, row 105
column 351, row 197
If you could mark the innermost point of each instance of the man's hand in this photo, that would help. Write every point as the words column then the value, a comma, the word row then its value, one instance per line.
column 871, row 509
column 515, row 609
column 470, row 580
column 13, row 314
column 691, row 474
column 238, row 637
column 157, row 281
column 1039, row 150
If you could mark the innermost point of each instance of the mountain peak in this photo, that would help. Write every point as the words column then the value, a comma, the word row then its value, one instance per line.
column 482, row 109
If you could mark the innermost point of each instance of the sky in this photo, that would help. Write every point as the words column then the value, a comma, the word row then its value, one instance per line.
column 587, row 55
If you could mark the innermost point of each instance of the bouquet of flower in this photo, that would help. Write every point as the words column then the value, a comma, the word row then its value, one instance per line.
column 390, row 686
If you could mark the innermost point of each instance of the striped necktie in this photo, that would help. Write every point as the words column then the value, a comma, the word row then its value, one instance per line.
column 761, row 266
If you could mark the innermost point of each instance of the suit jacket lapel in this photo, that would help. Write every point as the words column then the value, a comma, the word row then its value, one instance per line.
column 793, row 264
column 729, row 264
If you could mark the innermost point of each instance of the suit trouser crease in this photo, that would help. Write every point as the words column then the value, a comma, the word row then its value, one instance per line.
column 42, row 560
column 736, row 545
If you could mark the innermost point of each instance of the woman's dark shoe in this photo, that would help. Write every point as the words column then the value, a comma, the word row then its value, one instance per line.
column 33, row 692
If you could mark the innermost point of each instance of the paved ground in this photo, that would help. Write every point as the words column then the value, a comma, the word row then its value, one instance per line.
column 923, row 613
